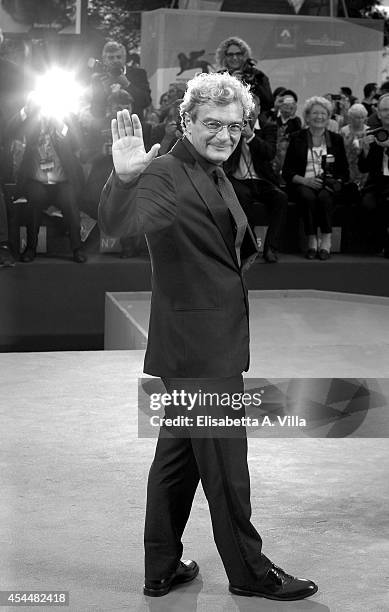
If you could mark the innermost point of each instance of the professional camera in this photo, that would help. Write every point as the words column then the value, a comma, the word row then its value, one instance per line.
column 330, row 183
column 381, row 134
column 114, row 69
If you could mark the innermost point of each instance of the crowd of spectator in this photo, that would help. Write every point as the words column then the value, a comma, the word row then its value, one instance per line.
column 335, row 154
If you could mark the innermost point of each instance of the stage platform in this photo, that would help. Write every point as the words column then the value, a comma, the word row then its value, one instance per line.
column 305, row 332
column 56, row 304
column 74, row 473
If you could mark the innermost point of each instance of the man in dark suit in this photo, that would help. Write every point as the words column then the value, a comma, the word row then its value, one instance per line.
column 374, row 159
column 199, row 243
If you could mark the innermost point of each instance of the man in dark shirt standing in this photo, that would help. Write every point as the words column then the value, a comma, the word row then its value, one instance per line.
column 200, row 244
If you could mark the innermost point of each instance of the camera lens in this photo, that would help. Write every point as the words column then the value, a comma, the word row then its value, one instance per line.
column 382, row 135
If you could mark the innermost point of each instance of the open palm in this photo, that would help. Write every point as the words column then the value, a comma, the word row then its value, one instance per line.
column 128, row 152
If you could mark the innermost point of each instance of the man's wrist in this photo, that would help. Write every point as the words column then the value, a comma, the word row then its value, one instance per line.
column 124, row 180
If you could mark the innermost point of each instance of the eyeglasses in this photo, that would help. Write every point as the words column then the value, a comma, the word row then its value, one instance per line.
column 237, row 54
column 215, row 126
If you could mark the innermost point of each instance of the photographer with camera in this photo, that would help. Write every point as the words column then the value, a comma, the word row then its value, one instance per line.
column 50, row 172
column 235, row 56
column 112, row 74
column 374, row 159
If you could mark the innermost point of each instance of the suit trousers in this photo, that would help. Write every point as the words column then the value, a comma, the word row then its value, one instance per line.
column 62, row 195
column 218, row 457
column 275, row 201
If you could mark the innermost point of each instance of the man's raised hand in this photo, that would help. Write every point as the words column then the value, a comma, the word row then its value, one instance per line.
column 128, row 152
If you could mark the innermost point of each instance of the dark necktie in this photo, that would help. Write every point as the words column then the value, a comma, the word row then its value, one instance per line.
column 227, row 192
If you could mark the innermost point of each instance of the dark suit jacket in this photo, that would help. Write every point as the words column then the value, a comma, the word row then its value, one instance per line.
column 372, row 163
column 199, row 325
column 296, row 156
column 263, row 148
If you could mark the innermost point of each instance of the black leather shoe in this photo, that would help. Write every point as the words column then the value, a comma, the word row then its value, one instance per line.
column 185, row 572
column 278, row 585
column 7, row 260
column 311, row 254
column 28, row 255
column 270, row 256
column 324, row 254
column 79, row 256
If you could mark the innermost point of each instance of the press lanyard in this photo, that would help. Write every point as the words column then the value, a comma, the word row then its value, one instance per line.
column 316, row 156
column 316, row 161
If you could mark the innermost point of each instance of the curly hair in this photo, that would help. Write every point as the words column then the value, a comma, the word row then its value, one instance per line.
column 220, row 53
column 218, row 89
column 308, row 104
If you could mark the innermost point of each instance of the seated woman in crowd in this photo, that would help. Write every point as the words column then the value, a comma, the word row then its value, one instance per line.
column 314, row 166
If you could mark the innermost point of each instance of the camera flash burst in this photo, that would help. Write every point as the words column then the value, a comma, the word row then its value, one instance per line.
column 57, row 93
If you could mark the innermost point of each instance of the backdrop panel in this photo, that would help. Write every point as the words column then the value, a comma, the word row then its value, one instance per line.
column 312, row 55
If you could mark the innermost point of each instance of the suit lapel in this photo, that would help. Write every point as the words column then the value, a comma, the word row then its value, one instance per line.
column 215, row 204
